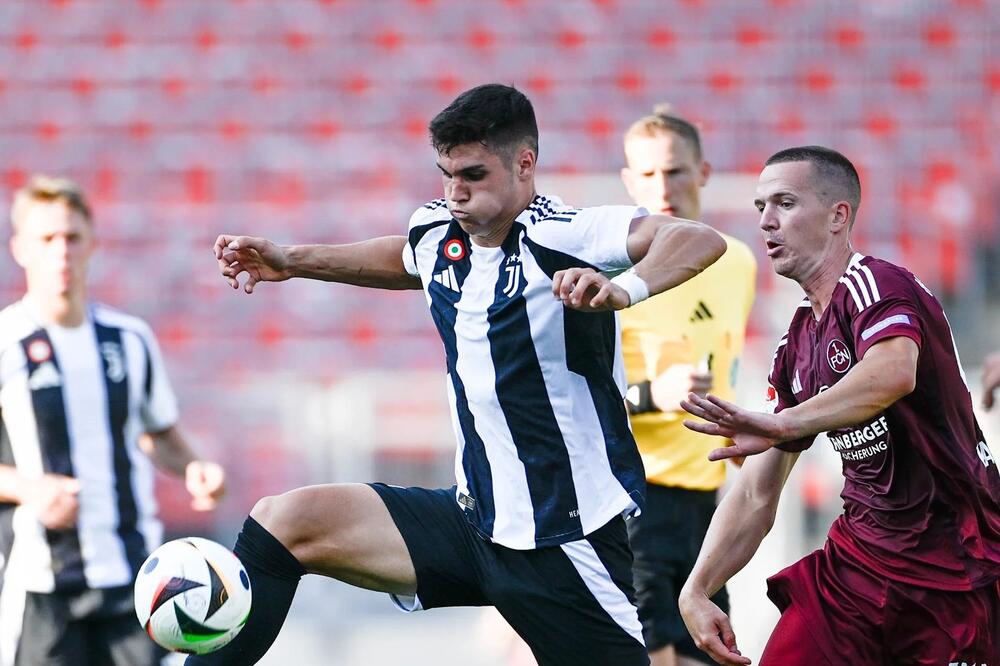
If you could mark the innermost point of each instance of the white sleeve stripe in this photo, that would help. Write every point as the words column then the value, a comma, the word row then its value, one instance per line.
column 854, row 293
column 884, row 324
column 871, row 282
column 862, row 287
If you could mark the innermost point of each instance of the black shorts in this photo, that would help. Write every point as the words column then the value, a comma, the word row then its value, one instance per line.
column 88, row 628
column 666, row 539
column 573, row 604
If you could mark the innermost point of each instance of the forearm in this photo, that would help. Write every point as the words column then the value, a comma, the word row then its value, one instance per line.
column 739, row 525
column 373, row 263
column 13, row 486
column 742, row 520
column 169, row 450
column 881, row 378
column 679, row 250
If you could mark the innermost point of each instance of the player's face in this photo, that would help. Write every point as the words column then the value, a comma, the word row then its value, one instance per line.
column 53, row 244
column 664, row 174
column 481, row 189
column 794, row 222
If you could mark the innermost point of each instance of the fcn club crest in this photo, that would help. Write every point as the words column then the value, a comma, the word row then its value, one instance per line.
column 839, row 356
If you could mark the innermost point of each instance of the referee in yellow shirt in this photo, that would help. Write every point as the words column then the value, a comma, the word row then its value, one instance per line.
column 686, row 339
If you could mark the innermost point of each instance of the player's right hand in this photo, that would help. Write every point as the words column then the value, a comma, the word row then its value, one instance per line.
column 259, row 258
column 710, row 629
column 54, row 501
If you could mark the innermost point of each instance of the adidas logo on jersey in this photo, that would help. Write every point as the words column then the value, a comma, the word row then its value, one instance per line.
column 796, row 383
column 701, row 313
column 45, row 376
column 447, row 278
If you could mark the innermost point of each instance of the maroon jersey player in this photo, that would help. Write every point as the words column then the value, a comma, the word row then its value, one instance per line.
column 909, row 573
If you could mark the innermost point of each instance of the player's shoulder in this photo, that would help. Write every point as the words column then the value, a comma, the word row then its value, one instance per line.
column 15, row 325
column 435, row 211
column 111, row 317
column 869, row 280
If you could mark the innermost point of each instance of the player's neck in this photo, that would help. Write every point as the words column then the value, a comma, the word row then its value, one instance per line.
column 498, row 232
column 67, row 310
column 819, row 286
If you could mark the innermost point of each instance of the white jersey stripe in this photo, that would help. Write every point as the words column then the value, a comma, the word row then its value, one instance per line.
column 597, row 579
column 862, row 288
column 876, row 297
column 854, row 292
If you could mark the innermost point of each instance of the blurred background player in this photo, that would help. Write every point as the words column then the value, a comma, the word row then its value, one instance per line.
column 910, row 572
column 991, row 378
column 687, row 339
column 85, row 410
column 546, row 466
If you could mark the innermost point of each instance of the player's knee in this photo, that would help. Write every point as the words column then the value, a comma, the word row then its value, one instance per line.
column 284, row 517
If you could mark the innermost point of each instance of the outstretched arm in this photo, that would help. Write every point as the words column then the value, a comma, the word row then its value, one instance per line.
column 741, row 522
column 887, row 373
column 665, row 252
column 373, row 263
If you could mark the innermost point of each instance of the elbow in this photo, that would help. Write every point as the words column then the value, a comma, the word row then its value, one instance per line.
column 712, row 243
column 905, row 383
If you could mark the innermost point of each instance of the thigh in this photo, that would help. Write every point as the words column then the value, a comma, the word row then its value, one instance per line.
column 120, row 641
column 447, row 554
column 837, row 609
column 572, row 604
column 791, row 643
column 343, row 531
column 48, row 634
column 937, row 627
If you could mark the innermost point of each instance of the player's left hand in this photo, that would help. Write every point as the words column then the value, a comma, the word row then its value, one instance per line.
column 587, row 290
column 206, row 482
column 751, row 432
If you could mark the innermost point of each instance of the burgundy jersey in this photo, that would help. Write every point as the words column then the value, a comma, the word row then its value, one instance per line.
column 921, row 487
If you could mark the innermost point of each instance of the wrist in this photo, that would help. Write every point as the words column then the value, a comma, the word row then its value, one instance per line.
column 634, row 286
column 293, row 260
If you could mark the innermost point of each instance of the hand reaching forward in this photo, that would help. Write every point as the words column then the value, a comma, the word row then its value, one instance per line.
column 259, row 258
column 751, row 432
column 206, row 482
column 710, row 628
column 586, row 290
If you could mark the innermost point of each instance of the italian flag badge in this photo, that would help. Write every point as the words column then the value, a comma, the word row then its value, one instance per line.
column 454, row 249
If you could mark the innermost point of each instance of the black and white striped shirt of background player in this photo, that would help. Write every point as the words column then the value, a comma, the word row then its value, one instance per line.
column 545, row 454
column 74, row 401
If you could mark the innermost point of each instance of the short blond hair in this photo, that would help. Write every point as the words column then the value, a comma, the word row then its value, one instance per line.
column 664, row 121
column 46, row 189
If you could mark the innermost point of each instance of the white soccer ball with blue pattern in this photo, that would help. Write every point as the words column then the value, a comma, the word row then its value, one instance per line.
column 192, row 595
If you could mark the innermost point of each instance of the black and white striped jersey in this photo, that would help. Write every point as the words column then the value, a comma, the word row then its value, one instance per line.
column 545, row 454
column 74, row 401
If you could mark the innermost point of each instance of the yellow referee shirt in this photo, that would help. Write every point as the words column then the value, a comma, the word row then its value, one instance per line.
column 701, row 322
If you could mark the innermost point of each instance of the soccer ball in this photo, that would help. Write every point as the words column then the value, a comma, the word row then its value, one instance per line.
column 192, row 595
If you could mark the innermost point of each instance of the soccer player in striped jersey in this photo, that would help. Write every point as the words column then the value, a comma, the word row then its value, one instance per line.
column 687, row 339
column 85, row 410
column 909, row 573
column 546, row 468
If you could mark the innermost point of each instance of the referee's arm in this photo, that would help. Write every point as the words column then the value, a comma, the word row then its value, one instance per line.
column 372, row 263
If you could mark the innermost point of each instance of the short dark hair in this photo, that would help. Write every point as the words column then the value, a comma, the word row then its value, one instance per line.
column 497, row 116
column 663, row 120
column 837, row 174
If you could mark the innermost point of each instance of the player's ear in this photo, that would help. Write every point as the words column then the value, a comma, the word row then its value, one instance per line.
column 705, row 172
column 841, row 216
column 524, row 165
column 16, row 250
